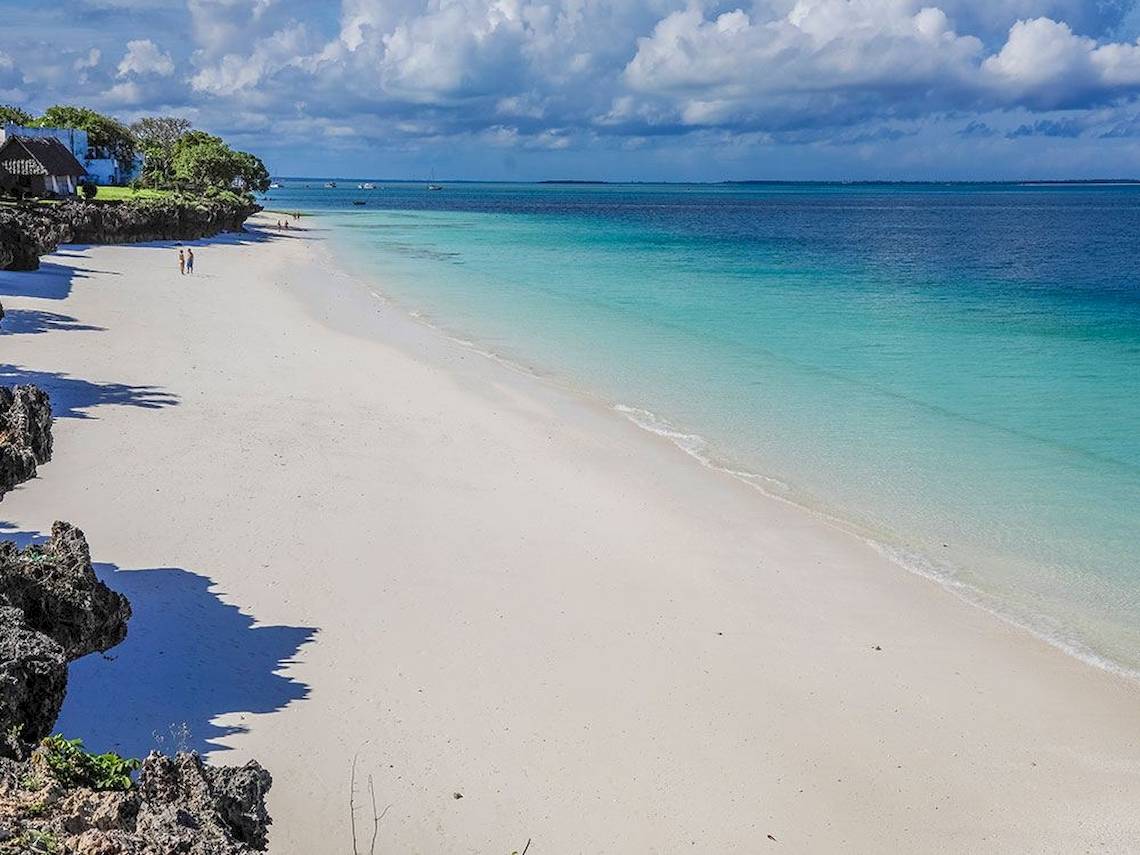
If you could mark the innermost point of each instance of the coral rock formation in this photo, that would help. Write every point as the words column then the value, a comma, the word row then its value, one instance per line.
column 27, row 233
column 54, row 609
column 179, row 805
column 25, row 433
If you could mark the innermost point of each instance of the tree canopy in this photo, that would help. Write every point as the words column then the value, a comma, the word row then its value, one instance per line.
column 160, row 132
column 203, row 160
column 157, row 137
column 14, row 115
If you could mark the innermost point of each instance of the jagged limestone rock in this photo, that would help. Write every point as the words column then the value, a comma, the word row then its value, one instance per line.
column 55, row 587
column 33, row 680
column 53, row 609
column 179, row 805
column 27, row 233
column 25, row 434
column 190, row 807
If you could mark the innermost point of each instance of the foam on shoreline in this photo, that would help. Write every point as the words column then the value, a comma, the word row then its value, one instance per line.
column 696, row 446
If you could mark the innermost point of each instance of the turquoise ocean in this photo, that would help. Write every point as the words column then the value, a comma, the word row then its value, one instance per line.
column 951, row 371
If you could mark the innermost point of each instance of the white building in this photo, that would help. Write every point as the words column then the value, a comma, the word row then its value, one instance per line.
column 100, row 168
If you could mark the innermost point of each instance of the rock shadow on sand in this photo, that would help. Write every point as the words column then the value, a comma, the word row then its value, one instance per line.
column 71, row 397
column 187, row 659
column 51, row 282
column 34, row 322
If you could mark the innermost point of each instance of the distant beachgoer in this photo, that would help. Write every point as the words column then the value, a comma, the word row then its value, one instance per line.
column 181, row 263
column 189, row 261
column 286, row 225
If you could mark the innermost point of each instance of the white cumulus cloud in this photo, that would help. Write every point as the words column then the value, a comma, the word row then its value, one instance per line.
column 1046, row 64
column 240, row 72
column 144, row 57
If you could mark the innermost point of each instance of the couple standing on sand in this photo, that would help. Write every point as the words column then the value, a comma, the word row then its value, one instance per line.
column 186, row 261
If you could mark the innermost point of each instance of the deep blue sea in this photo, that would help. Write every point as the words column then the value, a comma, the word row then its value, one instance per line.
column 952, row 371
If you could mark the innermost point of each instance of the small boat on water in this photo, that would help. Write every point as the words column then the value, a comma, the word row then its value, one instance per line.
column 359, row 202
column 366, row 186
column 274, row 186
column 330, row 184
column 435, row 187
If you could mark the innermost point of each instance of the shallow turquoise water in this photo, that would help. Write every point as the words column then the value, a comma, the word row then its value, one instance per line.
column 954, row 371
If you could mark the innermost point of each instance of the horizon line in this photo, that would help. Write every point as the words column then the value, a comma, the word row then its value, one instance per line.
column 726, row 181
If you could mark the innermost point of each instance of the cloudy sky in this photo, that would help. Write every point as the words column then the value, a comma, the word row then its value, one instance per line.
column 638, row 89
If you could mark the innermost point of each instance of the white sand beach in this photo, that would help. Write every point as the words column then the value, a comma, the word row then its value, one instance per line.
column 346, row 534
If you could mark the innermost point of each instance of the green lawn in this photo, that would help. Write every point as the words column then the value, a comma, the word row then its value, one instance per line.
column 122, row 194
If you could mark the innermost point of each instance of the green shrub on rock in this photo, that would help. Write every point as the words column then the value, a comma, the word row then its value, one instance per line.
column 74, row 767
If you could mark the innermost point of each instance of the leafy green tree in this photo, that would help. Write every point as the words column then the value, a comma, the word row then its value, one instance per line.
column 157, row 137
column 202, row 160
column 103, row 132
column 160, row 131
column 10, row 115
column 254, row 176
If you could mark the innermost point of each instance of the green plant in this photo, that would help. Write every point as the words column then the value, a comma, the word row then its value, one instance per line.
column 201, row 160
column 40, row 841
column 72, row 766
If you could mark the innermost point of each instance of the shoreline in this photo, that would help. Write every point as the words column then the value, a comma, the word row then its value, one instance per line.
column 909, row 559
column 684, row 620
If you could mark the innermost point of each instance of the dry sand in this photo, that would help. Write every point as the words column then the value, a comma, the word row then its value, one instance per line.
column 347, row 534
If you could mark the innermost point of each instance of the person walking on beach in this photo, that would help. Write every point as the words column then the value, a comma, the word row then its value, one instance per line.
column 181, row 263
column 189, row 260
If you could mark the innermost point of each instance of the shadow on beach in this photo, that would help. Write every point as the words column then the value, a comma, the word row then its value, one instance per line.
column 8, row 531
column 51, row 282
column 71, row 397
column 34, row 321
column 187, row 659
